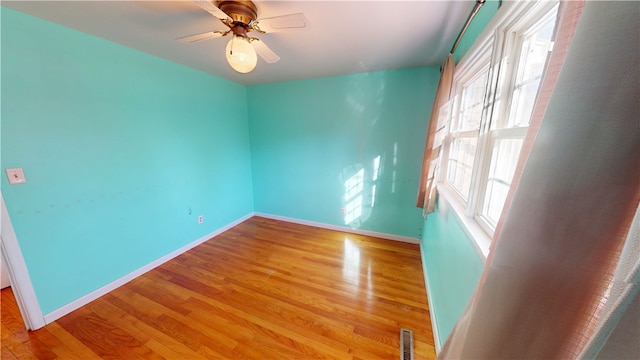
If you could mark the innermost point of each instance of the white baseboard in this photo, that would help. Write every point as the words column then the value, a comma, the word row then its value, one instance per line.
column 76, row 304
column 341, row 228
column 432, row 313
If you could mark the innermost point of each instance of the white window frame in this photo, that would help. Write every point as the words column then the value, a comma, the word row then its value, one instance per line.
column 462, row 78
column 504, row 34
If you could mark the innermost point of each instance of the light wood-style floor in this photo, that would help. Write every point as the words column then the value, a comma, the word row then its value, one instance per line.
column 263, row 290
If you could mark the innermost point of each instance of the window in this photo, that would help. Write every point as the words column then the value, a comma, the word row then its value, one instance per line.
column 465, row 125
column 504, row 157
column 492, row 100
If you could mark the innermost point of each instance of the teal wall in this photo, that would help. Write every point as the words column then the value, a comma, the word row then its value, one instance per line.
column 479, row 23
column 309, row 137
column 117, row 146
column 452, row 267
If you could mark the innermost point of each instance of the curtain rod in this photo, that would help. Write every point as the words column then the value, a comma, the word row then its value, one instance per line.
column 473, row 13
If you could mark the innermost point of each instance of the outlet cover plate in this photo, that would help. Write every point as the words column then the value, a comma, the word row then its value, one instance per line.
column 16, row 176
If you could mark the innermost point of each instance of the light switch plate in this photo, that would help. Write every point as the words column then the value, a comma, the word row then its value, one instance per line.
column 16, row 176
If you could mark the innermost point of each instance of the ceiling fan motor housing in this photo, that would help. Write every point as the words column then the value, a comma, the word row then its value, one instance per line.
column 240, row 11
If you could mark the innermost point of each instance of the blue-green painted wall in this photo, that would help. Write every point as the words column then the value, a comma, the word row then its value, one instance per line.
column 451, row 264
column 479, row 23
column 117, row 146
column 309, row 137
column 452, row 267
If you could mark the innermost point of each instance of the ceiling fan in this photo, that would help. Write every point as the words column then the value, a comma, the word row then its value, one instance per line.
column 241, row 17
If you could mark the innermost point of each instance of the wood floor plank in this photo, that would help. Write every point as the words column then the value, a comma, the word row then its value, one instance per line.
column 154, row 339
column 71, row 344
column 6, row 354
column 167, row 322
column 264, row 289
column 271, row 327
column 103, row 337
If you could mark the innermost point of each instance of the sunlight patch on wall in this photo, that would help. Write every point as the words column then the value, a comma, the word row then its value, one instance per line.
column 353, row 210
column 395, row 164
column 395, row 154
column 353, row 186
column 360, row 186
column 376, row 168
column 376, row 172
column 373, row 195
column 353, row 196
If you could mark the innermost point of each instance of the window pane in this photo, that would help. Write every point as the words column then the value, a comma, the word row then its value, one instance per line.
column 454, row 121
column 495, row 101
column 533, row 56
column 524, row 98
column 461, row 156
column 472, row 103
column 504, row 159
column 443, row 121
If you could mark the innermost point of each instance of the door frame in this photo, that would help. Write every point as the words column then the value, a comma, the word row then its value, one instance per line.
column 18, row 273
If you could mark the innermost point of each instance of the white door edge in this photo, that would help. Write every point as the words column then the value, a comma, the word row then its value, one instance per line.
column 18, row 274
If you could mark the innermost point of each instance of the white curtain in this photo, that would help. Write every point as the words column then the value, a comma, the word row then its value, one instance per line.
column 572, row 199
column 616, row 339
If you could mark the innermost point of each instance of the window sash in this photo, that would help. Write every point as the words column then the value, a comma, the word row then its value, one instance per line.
column 498, row 174
column 461, row 157
column 509, row 71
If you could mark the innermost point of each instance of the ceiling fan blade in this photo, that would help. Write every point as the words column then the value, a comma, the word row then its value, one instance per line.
column 263, row 50
column 283, row 22
column 212, row 9
column 199, row 37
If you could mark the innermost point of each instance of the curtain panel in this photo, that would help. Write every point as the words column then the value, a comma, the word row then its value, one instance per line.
column 428, row 175
column 572, row 200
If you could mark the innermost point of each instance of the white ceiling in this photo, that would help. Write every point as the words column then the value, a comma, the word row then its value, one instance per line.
column 343, row 37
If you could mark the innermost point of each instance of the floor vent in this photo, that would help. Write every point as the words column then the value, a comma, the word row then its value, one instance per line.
column 406, row 344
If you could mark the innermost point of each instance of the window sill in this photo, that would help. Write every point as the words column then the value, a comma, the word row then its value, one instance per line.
column 480, row 241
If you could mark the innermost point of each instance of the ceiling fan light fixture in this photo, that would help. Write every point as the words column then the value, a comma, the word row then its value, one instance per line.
column 241, row 55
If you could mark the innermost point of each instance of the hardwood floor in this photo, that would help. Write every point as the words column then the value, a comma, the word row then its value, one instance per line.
column 263, row 290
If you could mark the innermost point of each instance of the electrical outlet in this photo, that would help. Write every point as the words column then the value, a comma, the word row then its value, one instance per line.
column 343, row 211
column 16, row 176
column 200, row 219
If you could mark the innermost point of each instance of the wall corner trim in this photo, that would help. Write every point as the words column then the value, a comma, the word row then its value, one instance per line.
column 346, row 229
column 78, row 303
